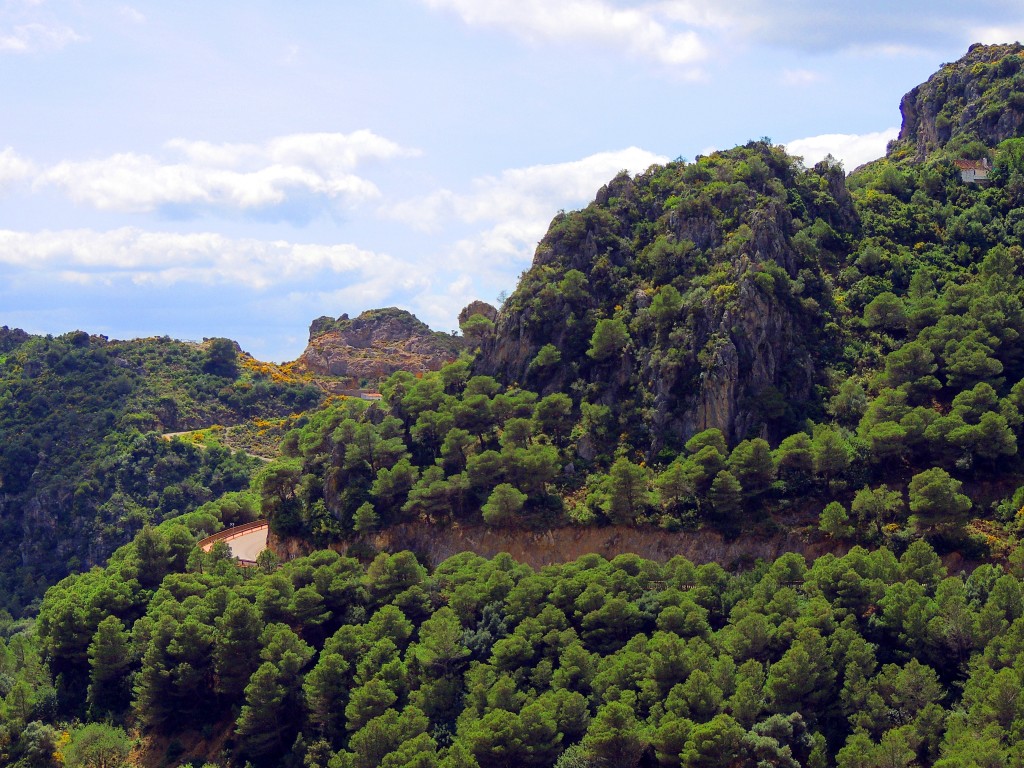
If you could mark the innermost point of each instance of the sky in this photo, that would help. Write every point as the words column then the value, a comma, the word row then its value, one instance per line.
column 238, row 169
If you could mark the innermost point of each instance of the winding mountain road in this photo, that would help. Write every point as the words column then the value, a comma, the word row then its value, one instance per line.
column 245, row 541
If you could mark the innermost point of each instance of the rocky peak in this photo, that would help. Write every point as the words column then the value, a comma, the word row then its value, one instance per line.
column 691, row 296
column 478, row 307
column 979, row 97
column 374, row 345
column 372, row 326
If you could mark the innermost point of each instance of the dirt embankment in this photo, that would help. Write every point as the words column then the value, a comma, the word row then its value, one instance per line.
column 435, row 543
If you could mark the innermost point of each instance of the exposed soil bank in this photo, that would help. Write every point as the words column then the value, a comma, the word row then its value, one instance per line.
column 434, row 543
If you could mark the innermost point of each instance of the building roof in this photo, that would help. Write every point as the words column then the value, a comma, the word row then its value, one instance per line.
column 972, row 165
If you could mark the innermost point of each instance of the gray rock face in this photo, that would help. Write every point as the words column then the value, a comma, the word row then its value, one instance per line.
column 979, row 95
column 375, row 345
column 717, row 399
column 742, row 353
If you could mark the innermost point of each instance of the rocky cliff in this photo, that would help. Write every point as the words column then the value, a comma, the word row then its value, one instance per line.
column 371, row 347
column 695, row 295
column 979, row 97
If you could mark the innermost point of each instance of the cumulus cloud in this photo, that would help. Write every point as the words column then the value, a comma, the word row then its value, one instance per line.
column 438, row 304
column 28, row 38
column 637, row 30
column 132, row 255
column 489, row 232
column 13, row 167
column 27, row 26
column 687, row 32
column 852, row 149
column 519, row 202
column 315, row 169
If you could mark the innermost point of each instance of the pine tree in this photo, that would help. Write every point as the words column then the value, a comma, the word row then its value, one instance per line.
column 263, row 722
column 236, row 647
column 834, row 521
column 503, row 505
column 628, row 494
column 365, row 519
column 97, row 745
column 935, row 499
column 726, row 497
column 615, row 737
column 326, row 690
column 109, row 660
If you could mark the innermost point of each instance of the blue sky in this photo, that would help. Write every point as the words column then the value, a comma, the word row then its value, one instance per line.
column 240, row 168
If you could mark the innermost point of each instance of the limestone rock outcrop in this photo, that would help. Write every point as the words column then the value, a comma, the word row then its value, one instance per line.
column 371, row 347
column 980, row 96
column 716, row 271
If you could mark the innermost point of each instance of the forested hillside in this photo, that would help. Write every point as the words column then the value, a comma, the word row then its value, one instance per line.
column 81, row 466
column 735, row 341
column 738, row 343
column 863, row 660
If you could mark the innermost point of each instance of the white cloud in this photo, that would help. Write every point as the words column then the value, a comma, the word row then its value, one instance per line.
column 314, row 168
column 326, row 152
column 998, row 34
column 852, row 149
column 508, row 214
column 168, row 258
column 28, row 26
column 528, row 194
column 134, row 15
column 29, row 38
column 13, row 167
column 374, row 289
column 687, row 32
column 437, row 307
column 638, row 30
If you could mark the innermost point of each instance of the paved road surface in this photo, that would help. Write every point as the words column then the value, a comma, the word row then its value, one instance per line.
column 246, row 544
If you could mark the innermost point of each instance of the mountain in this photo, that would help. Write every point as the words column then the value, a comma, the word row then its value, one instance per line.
column 978, row 99
column 738, row 347
column 726, row 288
column 707, row 283
column 363, row 351
column 739, row 342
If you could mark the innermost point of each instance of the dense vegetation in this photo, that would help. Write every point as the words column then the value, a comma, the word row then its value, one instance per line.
column 857, row 661
column 737, row 342
column 911, row 428
column 81, row 468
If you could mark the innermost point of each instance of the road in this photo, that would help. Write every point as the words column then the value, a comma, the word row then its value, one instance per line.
column 245, row 541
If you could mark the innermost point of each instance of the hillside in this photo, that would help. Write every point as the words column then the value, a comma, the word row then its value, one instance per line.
column 739, row 347
column 81, row 466
column 738, row 342
column 691, row 297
